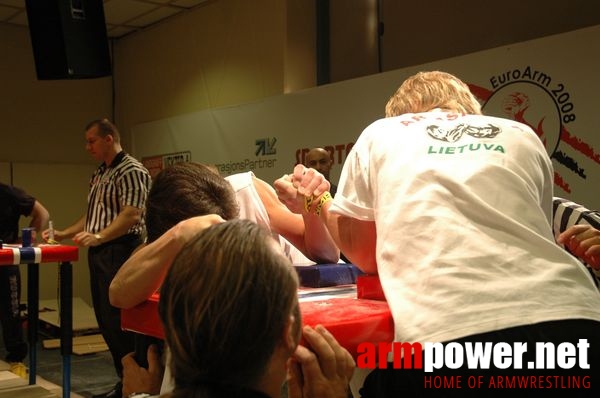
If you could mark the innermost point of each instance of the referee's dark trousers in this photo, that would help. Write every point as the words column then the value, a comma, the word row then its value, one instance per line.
column 104, row 261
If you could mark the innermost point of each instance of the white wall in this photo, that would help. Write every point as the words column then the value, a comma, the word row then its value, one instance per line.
column 43, row 120
column 62, row 189
column 334, row 115
column 42, row 136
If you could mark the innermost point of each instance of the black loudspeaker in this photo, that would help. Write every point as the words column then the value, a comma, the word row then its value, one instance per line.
column 68, row 38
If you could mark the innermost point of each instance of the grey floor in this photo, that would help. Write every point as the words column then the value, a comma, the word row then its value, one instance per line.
column 90, row 374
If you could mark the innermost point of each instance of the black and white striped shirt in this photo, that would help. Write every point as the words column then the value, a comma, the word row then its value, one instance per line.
column 125, row 182
column 567, row 213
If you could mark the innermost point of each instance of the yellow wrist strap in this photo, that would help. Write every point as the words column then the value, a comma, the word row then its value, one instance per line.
column 308, row 203
column 326, row 197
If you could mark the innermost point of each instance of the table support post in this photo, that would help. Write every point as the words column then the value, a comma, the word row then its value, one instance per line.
column 33, row 282
column 66, row 323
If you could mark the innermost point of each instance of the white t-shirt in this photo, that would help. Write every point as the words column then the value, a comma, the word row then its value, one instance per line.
column 252, row 208
column 462, row 207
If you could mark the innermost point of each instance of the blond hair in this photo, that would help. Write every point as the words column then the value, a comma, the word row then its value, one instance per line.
column 426, row 91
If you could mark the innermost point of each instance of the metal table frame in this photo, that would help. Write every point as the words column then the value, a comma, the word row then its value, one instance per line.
column 33, row 257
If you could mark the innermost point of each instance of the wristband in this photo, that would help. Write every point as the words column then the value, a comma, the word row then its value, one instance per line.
column 326, row 197
column 308, row 203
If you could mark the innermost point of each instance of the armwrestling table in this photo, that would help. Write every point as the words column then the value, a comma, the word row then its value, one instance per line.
column 33, row 257
column 352, row 320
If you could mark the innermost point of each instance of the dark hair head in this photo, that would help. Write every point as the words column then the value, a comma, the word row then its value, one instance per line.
column 184, row 190
column 105, row 128
column 225, row 304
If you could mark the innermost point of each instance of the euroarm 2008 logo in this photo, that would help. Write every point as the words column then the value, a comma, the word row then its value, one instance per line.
column 536, row 99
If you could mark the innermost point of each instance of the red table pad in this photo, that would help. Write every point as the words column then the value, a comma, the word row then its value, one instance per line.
column 352, row 321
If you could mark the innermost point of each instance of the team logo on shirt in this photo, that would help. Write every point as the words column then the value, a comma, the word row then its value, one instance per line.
column 534, row 98
column 453, row 135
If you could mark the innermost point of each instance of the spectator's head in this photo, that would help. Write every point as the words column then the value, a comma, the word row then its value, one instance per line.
column 320, row 160
column 426, row 91
column 229, row 309
column 185, row 190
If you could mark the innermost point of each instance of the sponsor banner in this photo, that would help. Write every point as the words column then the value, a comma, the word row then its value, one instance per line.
column 156, row 163
column 551, row 84
column 538, row 99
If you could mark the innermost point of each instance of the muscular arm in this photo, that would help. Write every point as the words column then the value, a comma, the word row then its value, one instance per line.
column 356, row 239
column 143, row 273
column 306, row 232
column 39, row 216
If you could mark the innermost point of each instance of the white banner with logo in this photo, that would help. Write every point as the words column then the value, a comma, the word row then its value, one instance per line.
column 551, row 84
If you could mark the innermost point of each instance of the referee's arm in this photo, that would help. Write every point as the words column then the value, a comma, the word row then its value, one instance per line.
column 127, row 218
column 582, row 238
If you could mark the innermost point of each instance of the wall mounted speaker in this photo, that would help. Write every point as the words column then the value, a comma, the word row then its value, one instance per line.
column 68, row 38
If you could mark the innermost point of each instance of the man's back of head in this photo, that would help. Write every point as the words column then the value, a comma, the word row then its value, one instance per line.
column 185, row 190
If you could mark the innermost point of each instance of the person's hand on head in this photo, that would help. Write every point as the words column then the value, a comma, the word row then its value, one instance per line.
column 323, row 370
column 139, row 379
column 188, row 229
column 584, row 242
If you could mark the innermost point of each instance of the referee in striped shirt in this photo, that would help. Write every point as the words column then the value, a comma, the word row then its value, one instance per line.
column 112, row 228
column 581, row 224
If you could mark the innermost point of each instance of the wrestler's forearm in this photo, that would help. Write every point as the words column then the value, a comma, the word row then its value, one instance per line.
column 143, row 273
